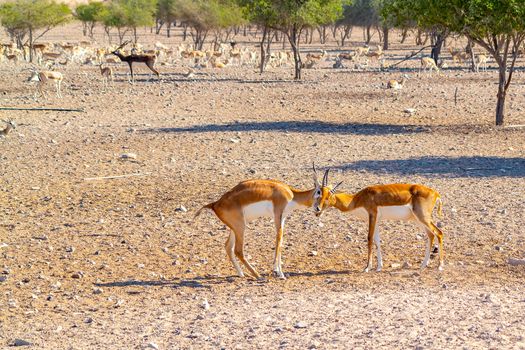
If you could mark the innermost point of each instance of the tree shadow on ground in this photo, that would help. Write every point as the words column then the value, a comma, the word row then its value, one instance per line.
column 475, row 166
column 314, row 126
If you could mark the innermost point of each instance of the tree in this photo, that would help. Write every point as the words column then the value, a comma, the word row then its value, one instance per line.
column 89, row 14
column 361, row 13
column 138, row 13
column 113, row 15
column 496, row 25
column 23, row 18
column 167, row 12
column 291, row 17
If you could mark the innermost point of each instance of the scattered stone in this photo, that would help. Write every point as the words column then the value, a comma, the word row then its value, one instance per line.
column 516, row 262
column 300, row 325
column 205, row 305
column 312, row 253
column 235, row 140
column 498, row 248
column 98, row 290
column 21, row 342
column 395, row 265
column 3, row 278
column 407, row 265
column 88, row 320
column 70, row 249
column 152, row 346
column 128, row 155
column 181, row 208
column 77, row 275
column 410, row 110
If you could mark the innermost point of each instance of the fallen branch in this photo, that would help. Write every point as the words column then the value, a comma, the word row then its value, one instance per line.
column 114, row 176
column 514, row 126
column 409, row 57
column 41, row 109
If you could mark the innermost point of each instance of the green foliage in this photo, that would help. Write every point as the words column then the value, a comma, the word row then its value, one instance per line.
column 33, row 14
column 89, row 12
column 210, row 14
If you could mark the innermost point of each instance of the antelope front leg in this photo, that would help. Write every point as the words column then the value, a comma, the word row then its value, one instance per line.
column 277, row 263
column 377, row 241
column 372, row 218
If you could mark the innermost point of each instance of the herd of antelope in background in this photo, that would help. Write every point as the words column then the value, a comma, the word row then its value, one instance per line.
column 51, row 56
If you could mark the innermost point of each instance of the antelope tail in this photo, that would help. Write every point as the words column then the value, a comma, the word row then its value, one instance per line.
column 207, row 206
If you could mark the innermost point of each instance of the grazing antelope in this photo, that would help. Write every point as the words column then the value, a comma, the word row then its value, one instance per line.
column 149, row 60
column 428, row 63
column 458, row 55
column 378, row 54
column 259, row 198
column 315, row 56
column 397, row 85
column 42, row 77
column 10, row 126
column 404, row 202
column 107, row 74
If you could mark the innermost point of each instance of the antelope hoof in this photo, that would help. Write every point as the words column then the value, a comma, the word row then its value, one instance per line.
column 440, row 268
column 279, row 274
column 366, row 269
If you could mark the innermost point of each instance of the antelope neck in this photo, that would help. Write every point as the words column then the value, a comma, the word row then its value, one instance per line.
column 304, row 198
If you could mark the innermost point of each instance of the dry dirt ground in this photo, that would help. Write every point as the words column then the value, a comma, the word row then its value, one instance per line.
column 116, row 263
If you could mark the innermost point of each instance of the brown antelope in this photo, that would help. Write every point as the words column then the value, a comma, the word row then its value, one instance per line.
column 10, row 126
column 107, row 74
column 458, row 55
column 428, row 63
column 259, row 198
column 397, row 85
column 378, row 54
column 149, row 60
column 42, row 77
column 404, row 202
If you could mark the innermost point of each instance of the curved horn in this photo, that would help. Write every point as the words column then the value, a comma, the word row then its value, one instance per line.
column 335, row 187
column 325, row 177
column 316, row 178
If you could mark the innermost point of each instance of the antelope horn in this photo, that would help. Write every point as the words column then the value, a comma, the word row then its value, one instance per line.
column 335, row 187
column 325, row 177
column 316, row 180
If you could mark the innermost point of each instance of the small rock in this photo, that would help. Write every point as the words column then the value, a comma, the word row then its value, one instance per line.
column 181, row 208
column 498, row 248
column 98, row 290
column 235, row 140
column 70, row 249
column 439, row 224
column 3, row 278
column 21, row 342
column 88, row 320
column 3, row 245
column 152, row 346
column 395, row 265
column 77, row 275
column 407, row 265
column 410, row 110
column 128, row 155
column 312, row 253
column 205, row 305
column 300, row 325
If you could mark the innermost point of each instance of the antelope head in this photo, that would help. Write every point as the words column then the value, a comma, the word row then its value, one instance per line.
column 324, row 194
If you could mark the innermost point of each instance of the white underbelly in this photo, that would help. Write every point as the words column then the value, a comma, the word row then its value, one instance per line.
column 392, row 212
column 257, row 210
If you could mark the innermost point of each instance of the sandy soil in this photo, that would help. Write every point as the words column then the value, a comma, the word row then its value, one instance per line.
column 117, row 264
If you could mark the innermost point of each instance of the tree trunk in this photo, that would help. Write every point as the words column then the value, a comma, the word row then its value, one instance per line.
column 502, row 93
column 168, row 29
column 439, row 37
column 263, row 51
column 135, row 34
column 470, row 51
column 368, row 35
column 293, row 38
column 31, row 45
column 404, row 34
column 386, row 31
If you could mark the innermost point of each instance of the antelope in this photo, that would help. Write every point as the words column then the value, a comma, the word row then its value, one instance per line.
column 397, row 85
column 315, row 56
column 361, row 51
column 428, row 63
column 458, row 55
column 252, row 199
column 149, row 60
column 481, row 61
column 10, row 126
column 42, row 77
column 405, row 202
column 376, row 54
column 107, row 74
